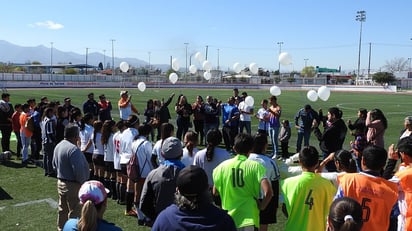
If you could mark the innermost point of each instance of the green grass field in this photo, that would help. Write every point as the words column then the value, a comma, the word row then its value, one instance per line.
column 32, row 195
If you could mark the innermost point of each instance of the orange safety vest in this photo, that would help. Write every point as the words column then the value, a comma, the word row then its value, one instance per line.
column 376, row 195
column 405, row 179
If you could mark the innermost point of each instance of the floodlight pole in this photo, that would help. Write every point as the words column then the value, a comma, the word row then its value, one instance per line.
column 361, row 17
column 112, row 57
column 51, row 61
column 280, row 51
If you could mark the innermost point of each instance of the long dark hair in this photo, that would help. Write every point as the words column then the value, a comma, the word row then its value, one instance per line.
column 345, row 214
column 346, row 161
column 377, row 114
column 97, row 125
column 107, row 130
column 213, row 139
column 85, row 120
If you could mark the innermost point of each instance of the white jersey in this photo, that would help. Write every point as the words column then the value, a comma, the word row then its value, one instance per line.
column 85, row 137
column 157, row 151
column 128, row 137
column 186, row 159
column 117, row 137
column 109, row 149
column 219, row 156
column 144, row 155
column 97, row 143
column 245, row 108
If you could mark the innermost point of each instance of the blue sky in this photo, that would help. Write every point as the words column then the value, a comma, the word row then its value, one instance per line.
column 323, row 31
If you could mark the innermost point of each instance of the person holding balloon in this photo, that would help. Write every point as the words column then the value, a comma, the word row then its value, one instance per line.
column 275, row 111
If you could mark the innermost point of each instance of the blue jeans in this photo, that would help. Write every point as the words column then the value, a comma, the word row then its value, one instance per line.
column 274, row 134
column 302, row 136
column 247, row 125
column 25, row 142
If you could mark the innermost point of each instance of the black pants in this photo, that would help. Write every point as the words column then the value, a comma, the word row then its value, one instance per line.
column 229, row 134
column 5, row 134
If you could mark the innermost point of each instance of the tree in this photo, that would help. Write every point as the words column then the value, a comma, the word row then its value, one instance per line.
column 36, row 63
column 308, row 71
column 384, row 78
column 396, row 64
column 70, row 71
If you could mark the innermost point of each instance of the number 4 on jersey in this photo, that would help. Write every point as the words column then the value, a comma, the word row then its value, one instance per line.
column 309, row 200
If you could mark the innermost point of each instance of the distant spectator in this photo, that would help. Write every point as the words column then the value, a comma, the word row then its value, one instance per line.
column 303, row 122
column 245, row 117
column 125, row 106
column 91, row 106
column 26, row 131
column 183, row 112
column 6, row 111
column 105, row 108
column 48, row 127
column 284, row 137
column 162, row 112
column 376, row 123
column 16, row 127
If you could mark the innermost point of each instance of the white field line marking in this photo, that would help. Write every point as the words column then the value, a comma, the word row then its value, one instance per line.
column 49, row 201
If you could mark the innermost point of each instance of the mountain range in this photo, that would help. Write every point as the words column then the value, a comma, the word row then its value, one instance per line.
column 11, row 53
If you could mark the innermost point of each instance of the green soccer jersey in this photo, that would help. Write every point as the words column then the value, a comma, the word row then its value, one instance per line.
column 307, row 198
column 238, row 182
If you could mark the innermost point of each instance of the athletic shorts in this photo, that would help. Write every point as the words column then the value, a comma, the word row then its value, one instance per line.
column 109, row 166
column 98, row 160
column 89, row 157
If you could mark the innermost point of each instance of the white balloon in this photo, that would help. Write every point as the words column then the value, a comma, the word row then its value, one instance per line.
column 285, row 58
column 141, row 86
column 173, row 77
column 324, row 93
column 253, row 67
column 192, row 69
column 249, row 101
column 207, row 75
column 207, row 66
column 124, row 67
column 175, row 64
column 199, row 57
column 237, row 68
column 275, row 90
column 312, row 95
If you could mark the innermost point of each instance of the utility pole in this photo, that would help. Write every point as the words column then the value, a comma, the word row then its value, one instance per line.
column 207, row 48
column 369, row 63
column 306, row 62
column 87, row 51
column 150, row 68
column 361, row 17
column 113, row 57
column 51, row 61
column 186, row 44
column 104, row 59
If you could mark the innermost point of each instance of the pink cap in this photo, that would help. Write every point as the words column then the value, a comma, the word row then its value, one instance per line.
column 92, row 190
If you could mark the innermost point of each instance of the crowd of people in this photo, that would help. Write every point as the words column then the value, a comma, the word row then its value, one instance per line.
column 176, row 185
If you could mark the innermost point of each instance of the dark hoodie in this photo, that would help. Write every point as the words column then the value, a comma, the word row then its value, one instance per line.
column 333, row 136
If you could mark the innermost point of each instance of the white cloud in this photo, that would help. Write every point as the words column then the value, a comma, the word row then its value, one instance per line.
column 48, row 25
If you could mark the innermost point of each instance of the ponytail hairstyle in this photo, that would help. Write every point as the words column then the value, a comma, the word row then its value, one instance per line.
column 166, row 131
column 88, row 217
column 74, row 113
column 107, row 130
column 97, row 128
column 346, row 161
column 345, row 214
column 213, row 138
column 132, row 121
column 190, row 140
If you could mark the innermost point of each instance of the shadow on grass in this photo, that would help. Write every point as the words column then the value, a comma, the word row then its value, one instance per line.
column 4, row 195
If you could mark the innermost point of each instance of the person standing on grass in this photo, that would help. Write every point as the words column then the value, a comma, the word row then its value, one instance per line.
column 16, row 128
column 268, row 215
column 303, row 123
column 105, row 108
column 160, row 185
column 199, row 118
column 91, row 106
column 183, row 111
column 72, row 171
column 240, row 182
column 230, row 121
column 25, row 132
column 307, row 197
column 376, row 124
column 263, row 116
column 48, row 128
column 284, row 137
column 275, row 111
column 6, row 111
column 93, row 197
column 245, row 117
column 126, row 108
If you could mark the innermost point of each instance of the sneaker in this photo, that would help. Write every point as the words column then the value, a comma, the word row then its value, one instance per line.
column 131, row 213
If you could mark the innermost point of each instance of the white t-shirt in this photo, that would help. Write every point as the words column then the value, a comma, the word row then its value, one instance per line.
column 97, row 144
column 186, row 159
column 261, row 114
column 109, row 149
column 219, row 156
column 245, row 108
column 128, row 136
column 117, row 137
column 144, row 155
column 157, row 151
column 86, row 135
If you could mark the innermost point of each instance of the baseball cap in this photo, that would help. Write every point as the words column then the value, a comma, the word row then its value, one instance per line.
column 67, row 99
column 192, row 181
column 43, row 98
column 172, row 148
column 123, row 92
column 92, row 190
